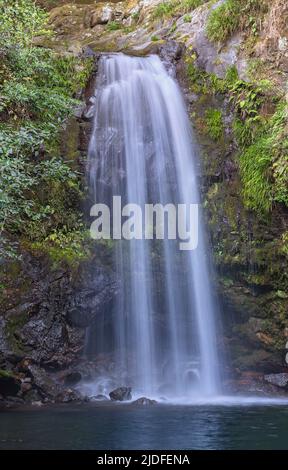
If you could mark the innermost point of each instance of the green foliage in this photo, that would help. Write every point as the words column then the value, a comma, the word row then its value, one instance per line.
column 278, row 132
column 243, row 132
column 39, row 84
column 155, row 38
column 165, row 9
column 71, row 246
column 136, row 16
column 197, row 77
column 34, row 102
column 254, row 167
column 224, row 20
column 234, row 15
column 173, row 28
column 171, row 8
column 6, row 374
column 34, row 196
column 264, row 164
column 284, row 243
column 246, row 98
column 113, row 26
column 231, row 75
column 20, row 22
column 262, row 138
column 214, row 122
column 187, row 18
column 39, row 193
column 189, row 5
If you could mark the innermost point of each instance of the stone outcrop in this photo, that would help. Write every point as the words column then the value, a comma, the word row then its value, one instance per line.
column 280, row 380
column 143, row 401
column 121, row 394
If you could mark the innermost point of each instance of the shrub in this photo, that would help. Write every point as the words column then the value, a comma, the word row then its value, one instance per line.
column 214, row 122
column 256, row 177
column 264, row 165
column 113, row 26
column 262, row 139
column 187, row 19
column 39, row 192
column 170, row 8
column 224, row 20
column 165, row 9
column 71, row 246
column 189, row 5
column 234, row 15
column 20, row 21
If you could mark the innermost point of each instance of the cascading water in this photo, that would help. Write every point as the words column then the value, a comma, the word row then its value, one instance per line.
column 163, row 334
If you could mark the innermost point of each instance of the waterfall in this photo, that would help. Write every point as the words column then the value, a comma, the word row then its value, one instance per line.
column 162, row 335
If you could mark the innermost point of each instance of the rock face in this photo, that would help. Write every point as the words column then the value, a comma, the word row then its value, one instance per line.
column 72, row 378
column 121, row 394
column 280, row 380
column 47, row 323
column 102, row 17
column 143, row 401
column 42, row 382
column 46, row 307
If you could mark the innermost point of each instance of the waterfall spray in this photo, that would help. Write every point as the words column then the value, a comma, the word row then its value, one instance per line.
column 142, row 149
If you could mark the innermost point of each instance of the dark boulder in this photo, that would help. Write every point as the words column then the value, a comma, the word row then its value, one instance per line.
column 32, row 396
column 72, row 378
column 43, row 382
column 68, row 395
column 143, row 401
column 121, row 394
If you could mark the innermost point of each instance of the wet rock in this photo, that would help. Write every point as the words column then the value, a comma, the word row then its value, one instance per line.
column 15, row 400
column 47, row 323
column 121, row 394
column 170, row 53
column 251, row 383
column 43, row 382
column 89, row 110
column 79, row 110
column 144, row 401
column 97, row 296
column 25, row 387
column 37, row 403
column 72, row 378
column 68, row 395
column 279, row 380
column 32, row 396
